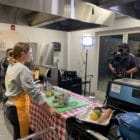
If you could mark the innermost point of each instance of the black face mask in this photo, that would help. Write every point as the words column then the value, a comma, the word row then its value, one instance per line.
column 120, row 50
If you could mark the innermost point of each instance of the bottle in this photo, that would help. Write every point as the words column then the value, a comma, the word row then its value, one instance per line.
column 49, row 86
column 45, row 86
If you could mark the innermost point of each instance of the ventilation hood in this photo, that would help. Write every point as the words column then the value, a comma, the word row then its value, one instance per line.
column 65, row 15
column 127, row 7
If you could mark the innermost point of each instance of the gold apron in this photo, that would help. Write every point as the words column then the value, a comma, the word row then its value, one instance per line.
column 22, row 103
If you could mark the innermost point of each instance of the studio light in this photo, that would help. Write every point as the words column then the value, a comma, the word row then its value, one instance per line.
column 87, row 41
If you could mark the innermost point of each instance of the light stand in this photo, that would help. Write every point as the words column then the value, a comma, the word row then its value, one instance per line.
column 87, row 42
column 86, row 73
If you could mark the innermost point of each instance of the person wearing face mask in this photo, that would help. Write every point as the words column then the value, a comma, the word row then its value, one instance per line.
column 20, row 86
column 4, row 62
column 123, row 64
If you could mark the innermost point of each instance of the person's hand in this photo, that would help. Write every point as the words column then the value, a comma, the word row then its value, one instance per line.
column 52, row 111
column 120, row 75
column 113, row 71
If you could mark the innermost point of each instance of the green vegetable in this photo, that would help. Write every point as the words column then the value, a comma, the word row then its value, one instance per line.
column 98, row 112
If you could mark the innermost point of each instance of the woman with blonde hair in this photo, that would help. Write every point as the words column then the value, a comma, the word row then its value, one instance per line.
column 19, row 87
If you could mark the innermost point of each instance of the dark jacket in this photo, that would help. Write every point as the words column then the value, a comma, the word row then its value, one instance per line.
column 3, row 66
column 123, row 63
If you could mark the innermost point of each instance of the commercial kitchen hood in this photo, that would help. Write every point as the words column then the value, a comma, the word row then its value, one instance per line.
column 65, row 15
column 126, row 7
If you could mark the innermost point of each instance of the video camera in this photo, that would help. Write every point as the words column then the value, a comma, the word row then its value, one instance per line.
column 121, row 73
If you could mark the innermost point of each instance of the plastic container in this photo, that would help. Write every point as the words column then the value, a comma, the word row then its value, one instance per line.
column 63, row 99
column 129, row 125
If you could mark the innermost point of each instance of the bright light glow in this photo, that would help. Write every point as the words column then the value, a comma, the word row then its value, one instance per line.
column 87, row 41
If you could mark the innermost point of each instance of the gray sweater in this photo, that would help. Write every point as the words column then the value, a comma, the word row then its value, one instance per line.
column 18, row 79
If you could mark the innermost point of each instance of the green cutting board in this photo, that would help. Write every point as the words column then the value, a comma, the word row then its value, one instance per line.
column 73, row 103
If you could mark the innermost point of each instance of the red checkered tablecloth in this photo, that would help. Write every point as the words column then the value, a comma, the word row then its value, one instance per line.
column 41, row 119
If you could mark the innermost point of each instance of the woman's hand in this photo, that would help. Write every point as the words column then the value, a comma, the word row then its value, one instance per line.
column 52, row 111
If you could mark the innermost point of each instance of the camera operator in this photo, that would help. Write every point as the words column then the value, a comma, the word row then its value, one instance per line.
column 123, row 64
